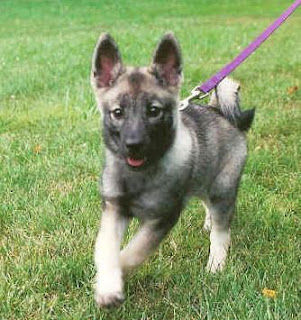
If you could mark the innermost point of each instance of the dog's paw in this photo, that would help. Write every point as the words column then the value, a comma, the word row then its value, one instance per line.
column 108, row 288
column 215, row 264
column 108, row 299
column 220, row 243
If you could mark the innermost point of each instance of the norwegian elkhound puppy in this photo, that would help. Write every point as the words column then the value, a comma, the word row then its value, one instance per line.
column 157, row 157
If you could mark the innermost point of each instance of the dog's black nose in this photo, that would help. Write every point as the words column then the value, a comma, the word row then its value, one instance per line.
column 134, row 135
column 134, row 145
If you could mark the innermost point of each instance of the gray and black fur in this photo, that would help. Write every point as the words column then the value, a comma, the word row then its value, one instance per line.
column 158, row 157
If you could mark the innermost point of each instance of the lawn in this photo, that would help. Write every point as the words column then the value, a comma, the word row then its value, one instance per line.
column 51, row 154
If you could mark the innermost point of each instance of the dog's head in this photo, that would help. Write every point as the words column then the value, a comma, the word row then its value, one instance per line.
column 139, row 105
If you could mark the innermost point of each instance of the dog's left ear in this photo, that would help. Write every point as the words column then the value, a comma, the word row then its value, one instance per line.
column 167, row 61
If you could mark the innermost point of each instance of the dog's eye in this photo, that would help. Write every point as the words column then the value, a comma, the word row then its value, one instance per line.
column 117, row 113
column 154, row 112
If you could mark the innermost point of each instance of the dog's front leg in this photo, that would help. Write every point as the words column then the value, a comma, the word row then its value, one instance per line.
column 146, row 240
column 109, row 283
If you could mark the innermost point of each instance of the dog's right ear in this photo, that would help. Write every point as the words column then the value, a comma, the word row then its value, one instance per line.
column 106, row 62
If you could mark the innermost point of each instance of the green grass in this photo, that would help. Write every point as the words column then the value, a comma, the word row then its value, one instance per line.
column 51, row 156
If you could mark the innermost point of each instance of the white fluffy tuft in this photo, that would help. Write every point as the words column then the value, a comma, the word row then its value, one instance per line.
column 226, row 98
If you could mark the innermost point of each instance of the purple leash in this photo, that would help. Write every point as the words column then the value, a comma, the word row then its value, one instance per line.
column 211, row 83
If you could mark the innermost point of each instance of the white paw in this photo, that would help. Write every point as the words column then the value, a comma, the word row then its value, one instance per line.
column 220, row 243
column 109, row 299
column 216, row 263
column 108, row 289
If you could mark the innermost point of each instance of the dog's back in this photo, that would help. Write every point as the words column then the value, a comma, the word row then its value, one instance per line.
column 218, row 132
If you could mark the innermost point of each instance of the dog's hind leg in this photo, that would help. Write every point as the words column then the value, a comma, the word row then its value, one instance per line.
column 220, row 219
column 221, row 203
column 221, row 206
column 146, row 240
column 207, row 223
column 109, row 283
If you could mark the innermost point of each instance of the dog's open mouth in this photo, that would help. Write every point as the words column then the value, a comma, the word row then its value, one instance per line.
column 135, row 162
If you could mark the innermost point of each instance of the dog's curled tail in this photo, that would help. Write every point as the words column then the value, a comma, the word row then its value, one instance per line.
column 226, row 99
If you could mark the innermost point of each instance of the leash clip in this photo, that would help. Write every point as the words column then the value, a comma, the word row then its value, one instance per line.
column 195, row 93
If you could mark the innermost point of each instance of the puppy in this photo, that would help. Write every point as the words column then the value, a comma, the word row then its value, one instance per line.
column 157, row 157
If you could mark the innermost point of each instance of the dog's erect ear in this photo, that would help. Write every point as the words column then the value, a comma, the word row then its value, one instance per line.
column 106, row 62
column 167, row 61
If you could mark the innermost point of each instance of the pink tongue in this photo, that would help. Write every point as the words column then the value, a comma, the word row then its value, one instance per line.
column 135, row 162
